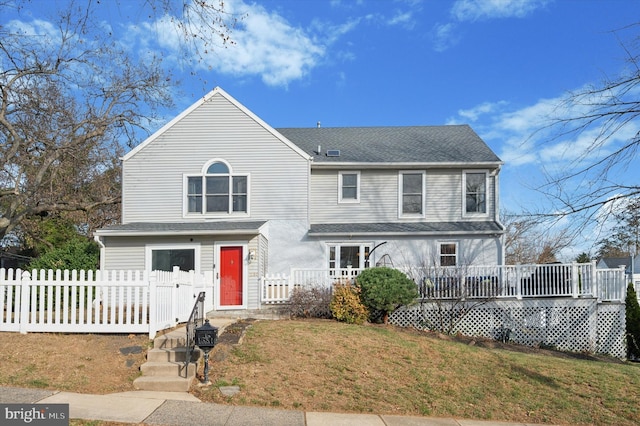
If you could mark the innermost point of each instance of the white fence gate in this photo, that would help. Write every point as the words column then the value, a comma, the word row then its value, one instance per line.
column 98, row 301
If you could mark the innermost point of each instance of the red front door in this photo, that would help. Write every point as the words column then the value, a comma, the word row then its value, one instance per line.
column 230, row 276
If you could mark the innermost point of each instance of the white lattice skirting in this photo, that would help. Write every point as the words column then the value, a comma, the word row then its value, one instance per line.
column 577, row 325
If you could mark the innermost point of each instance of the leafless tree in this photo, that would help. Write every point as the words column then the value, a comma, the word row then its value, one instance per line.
column 449, row 293
column 68, row 96
column 72, row 97
column 605, row 117
column 529, row 239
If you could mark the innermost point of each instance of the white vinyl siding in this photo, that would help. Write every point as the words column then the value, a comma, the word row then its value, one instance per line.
column 379, row 200
column 443, row 195
column 153, row 178
column 129, row 253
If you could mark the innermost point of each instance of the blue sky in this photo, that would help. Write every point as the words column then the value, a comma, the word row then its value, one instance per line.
column 497, row 65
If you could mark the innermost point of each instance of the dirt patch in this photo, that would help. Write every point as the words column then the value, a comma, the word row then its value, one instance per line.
column 230, row 337
column 233, row 333
column 85, row 363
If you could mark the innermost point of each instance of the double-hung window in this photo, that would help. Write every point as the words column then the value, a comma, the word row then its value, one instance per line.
column 412, row 194
column 348, row 187
column 448, row 254
column 475, row 192
column 217, row 191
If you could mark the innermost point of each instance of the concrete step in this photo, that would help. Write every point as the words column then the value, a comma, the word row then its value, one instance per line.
column 171, row 355
column 165, row 369
column 169, row 369
column 173, row 339
column 163, row 383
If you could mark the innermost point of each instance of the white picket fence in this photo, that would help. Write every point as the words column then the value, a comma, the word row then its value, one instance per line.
column 98, row 301
column 480, row 282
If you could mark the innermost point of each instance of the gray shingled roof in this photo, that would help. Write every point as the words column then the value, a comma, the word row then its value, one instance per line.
column 146, row 228
column 412, row 228
column 414, row 144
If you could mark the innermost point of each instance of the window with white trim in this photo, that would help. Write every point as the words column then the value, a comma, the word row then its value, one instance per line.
column 164, row 257
column 349, row 255
column 412, row 194
column 348, row 187
column 448, row 254
column 217, row 191
column 475, row 192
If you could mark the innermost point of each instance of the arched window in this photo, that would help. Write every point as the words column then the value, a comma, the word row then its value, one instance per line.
column 217, row 191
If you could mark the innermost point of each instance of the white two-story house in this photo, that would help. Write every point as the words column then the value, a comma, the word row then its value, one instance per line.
column 218, row 189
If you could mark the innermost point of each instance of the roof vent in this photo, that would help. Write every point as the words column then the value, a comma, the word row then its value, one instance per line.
column 333, row 153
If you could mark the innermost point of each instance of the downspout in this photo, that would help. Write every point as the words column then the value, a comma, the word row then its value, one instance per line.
column 98, row 240
column 309, row 161
column 496, row 214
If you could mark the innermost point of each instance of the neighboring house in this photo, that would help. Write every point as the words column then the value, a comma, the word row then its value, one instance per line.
column 616, row 262
column 218, row 189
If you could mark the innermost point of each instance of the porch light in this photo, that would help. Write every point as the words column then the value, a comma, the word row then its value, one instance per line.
column 206, row 339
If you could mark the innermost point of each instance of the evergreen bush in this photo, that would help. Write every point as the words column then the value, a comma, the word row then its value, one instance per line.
column 78, row 254
column 385, row 289
column 346, row 305
column 633, row 323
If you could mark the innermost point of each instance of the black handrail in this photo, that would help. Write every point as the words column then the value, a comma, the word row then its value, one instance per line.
column 196, row 319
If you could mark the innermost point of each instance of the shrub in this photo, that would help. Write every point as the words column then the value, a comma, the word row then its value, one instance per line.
column 76, row 254
column 632, row 309
column 346, row 305
column 309, row 302
column 385, row 290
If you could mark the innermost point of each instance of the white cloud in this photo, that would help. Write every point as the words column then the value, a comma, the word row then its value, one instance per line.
column 35, row 27
column 474, row 10
column 265, row 44
column 528, row 135
column 445, row 35
column 406, row 19
column 474, row 113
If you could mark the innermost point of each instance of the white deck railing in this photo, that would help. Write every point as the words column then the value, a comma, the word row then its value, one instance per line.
column 278, row 288
column 96, row 301
column 487, row 282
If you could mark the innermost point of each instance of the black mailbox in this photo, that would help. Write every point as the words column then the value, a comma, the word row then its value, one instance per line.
column 206, row 336
column 206, row 339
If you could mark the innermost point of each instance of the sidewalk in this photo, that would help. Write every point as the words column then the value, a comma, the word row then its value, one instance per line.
column 181, row 408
